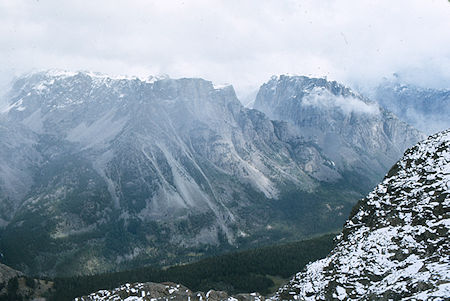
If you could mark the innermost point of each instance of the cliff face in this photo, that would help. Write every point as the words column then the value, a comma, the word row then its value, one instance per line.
column 355, row 133
column 396, row 243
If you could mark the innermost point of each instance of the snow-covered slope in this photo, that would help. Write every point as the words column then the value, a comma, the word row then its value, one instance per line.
column 396, row 243
column 163, row 292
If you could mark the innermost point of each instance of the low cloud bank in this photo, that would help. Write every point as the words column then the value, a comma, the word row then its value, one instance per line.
column 323, row 99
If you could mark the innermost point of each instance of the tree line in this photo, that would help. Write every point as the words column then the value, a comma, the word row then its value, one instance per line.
column 238, row 272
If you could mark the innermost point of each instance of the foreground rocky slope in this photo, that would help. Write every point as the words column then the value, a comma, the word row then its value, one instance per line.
column 396, row 243
column 100, row 173
column 164, row 291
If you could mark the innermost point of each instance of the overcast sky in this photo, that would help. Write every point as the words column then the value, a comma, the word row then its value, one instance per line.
column 239, row 42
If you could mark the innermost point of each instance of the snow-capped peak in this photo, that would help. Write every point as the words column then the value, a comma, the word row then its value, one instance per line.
column 53, row 74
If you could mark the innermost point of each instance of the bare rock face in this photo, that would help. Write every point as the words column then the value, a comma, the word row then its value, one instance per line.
column 396, row 245
column 355, row 133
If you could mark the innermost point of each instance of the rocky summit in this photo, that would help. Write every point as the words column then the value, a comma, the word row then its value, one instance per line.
column 395, row 245
column 100, row 173
column 164, row 291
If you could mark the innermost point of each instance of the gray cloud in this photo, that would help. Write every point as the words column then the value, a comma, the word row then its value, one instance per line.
column 238, row 42
column 322, row 98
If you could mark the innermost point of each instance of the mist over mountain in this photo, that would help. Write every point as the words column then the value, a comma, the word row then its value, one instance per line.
column 101, row 173
column 355, row 133
column 426, row 109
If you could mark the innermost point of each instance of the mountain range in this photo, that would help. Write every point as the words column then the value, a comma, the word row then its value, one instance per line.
column 355, row 133
column 100, row 173
column 427, row 109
